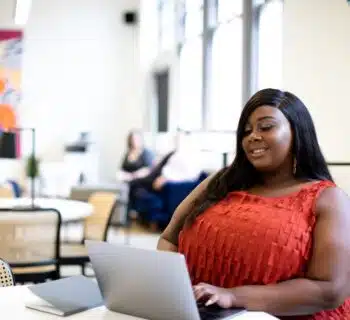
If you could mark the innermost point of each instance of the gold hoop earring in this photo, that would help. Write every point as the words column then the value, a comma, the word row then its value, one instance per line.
column 294, row 166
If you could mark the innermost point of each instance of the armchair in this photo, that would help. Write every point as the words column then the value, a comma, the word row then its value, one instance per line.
column 158, row 207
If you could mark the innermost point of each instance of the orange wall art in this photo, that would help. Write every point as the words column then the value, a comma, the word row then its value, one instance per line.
column 10, row 79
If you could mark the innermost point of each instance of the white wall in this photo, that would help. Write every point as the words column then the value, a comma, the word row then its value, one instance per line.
column 80, row 72
column 317, row 67
column 7, row 8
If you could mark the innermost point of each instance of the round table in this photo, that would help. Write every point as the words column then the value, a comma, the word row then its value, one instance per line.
column 71, row 210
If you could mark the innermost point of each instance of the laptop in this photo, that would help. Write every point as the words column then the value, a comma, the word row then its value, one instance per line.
column 148, row 284
column 65, row 296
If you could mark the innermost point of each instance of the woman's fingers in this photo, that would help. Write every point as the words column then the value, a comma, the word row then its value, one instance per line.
column 199, row 293
column 203, row 292
column 213, row 295
column 213, row 299
column 202, row 286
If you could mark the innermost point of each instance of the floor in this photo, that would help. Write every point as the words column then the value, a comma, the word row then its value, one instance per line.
column 139, row 237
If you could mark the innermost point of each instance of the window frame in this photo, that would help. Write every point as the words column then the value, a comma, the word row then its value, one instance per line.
column 210, row 23
column 260, row 9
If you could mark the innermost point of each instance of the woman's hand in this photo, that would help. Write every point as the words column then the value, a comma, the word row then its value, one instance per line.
column 124, row 176
column 211, row 294
column 141, row 173
column 158, row 183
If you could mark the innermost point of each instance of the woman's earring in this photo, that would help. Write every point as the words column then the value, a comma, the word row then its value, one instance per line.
column 294, row 166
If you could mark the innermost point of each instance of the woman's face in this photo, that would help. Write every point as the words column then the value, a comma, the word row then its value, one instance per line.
column 135, row 141
column 268, row 138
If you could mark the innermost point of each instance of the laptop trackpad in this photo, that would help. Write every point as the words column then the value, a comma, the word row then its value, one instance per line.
column 215, row 312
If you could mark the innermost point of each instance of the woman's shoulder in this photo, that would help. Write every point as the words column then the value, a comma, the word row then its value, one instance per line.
column 328, row 190
column 320, row 184
column 147, row 157
column 331, row 199
column 315, row 189
column 147, row 152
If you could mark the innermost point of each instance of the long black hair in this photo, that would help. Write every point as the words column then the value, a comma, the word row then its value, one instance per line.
column 241, row 175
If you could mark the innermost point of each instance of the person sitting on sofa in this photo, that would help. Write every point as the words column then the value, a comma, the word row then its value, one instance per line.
column 137, row 161
column 181, row 164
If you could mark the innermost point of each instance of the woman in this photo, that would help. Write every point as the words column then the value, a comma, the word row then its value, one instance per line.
column 137, row 160
column 271, row 231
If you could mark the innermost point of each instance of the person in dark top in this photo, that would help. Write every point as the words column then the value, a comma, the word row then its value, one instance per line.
column 137, row 161
column 180, row 164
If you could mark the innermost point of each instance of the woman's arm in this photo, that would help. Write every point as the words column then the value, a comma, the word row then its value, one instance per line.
column 168, row 240
column 147, row 158
column 289, row 298
column 122, row 175
column 326, row 285
column 166, row 245
column 141, row 173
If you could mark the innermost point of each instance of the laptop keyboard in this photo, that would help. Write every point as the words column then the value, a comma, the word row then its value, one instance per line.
column 215, row 312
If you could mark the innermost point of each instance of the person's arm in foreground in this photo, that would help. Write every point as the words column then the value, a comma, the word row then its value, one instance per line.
column 326, row 284
column 168, row 239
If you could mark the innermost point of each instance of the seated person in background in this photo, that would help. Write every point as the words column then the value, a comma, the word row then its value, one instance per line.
column 181, row 164
column 184, row 163
column 137, row 161
column 271, row 231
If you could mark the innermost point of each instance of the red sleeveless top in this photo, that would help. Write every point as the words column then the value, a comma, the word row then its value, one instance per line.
column 247, row 239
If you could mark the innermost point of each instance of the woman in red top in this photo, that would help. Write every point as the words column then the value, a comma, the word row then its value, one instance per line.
column 271, row 232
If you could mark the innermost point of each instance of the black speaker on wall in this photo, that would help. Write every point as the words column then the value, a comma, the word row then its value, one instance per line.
column 130, row 17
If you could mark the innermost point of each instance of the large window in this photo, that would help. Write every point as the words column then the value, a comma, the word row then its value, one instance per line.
column 193, row 18
column 226, row 74
column 228, row 9
column 167, row 33
column 270, row 45
column 190, row 30
column 227, row 49
column 190, row 85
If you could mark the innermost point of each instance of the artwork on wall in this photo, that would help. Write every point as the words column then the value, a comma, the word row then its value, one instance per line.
column 10, row 80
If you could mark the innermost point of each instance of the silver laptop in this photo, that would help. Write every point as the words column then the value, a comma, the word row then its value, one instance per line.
column 148, row 284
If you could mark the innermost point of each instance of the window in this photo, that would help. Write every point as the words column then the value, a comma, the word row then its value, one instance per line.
column 190, row 29
column 190, row 19
column 227, row 60
column 227, row 9
column 193, row 18
column 270, row 45
column 193, row 24
column 190, row 85
column 192, row 5
column 166, row 24
column 212, row 51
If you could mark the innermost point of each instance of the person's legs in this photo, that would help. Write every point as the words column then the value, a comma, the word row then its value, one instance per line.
column 136, row 187
column 145, row 183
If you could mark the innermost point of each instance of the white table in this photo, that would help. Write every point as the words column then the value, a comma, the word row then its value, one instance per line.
column 12, row 306
column 70, row 210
